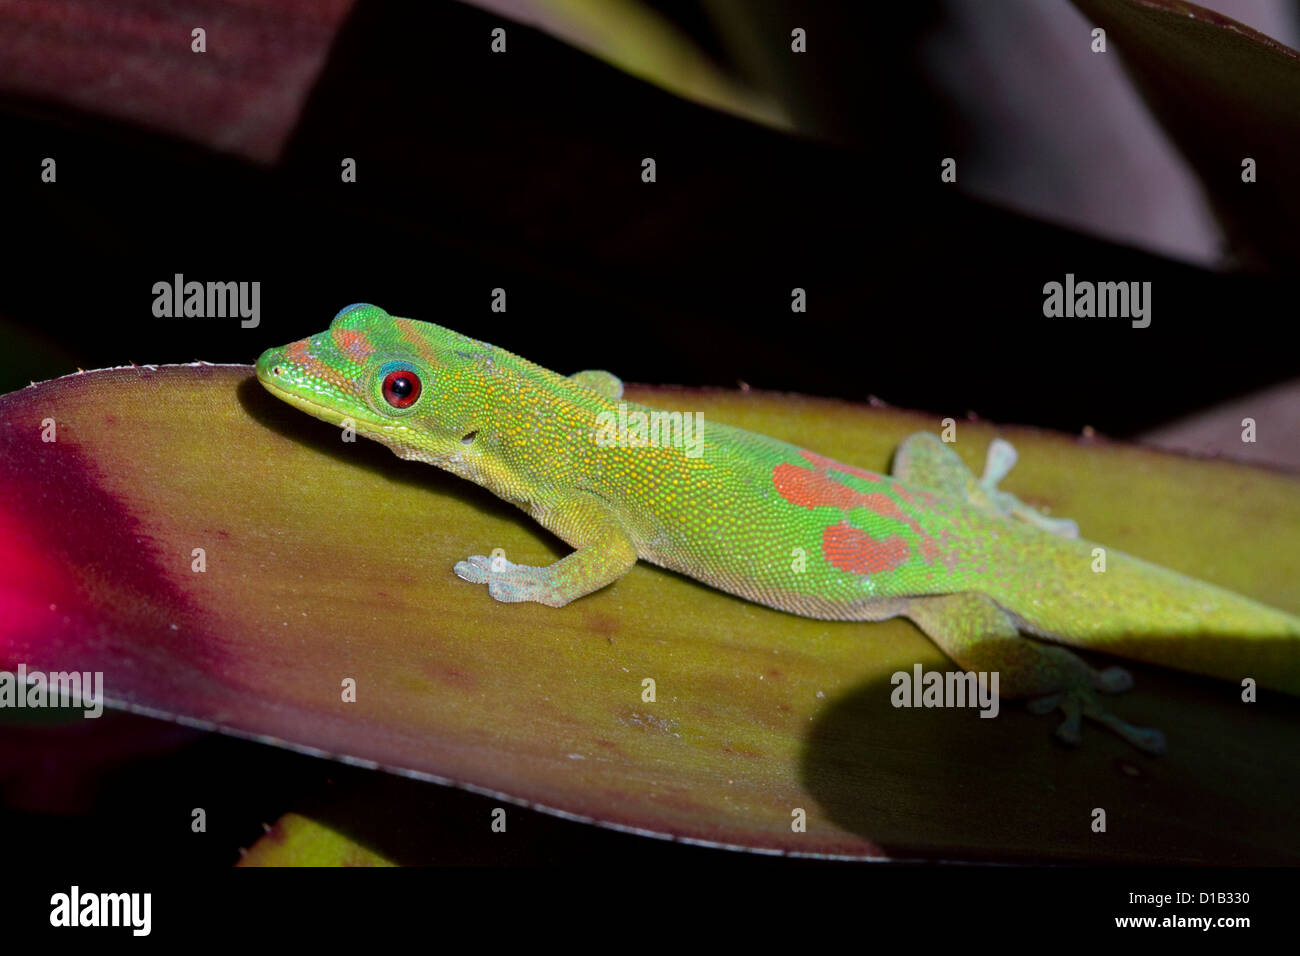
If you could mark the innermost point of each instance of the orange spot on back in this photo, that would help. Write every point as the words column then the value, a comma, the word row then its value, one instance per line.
column 853, row 550
column 884, row 506
column 927, row 498
column 810, row 489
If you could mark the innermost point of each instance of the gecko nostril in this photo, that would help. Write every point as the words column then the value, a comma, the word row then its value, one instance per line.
column 469, row 439
column 275, row 370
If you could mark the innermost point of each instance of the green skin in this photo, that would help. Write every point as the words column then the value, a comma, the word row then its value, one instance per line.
column 767, row 521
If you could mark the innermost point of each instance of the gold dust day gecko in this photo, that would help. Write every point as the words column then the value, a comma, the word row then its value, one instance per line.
column 994, row 583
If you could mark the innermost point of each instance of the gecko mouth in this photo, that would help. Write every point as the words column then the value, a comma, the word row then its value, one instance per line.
column 380, row 431
column 315, row 409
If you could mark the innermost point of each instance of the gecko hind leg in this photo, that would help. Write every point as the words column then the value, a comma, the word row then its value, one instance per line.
column 927, row 462
column 999, row 460
column 972, row 630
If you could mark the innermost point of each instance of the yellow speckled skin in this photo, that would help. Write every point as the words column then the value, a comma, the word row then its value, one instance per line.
column 773, row 523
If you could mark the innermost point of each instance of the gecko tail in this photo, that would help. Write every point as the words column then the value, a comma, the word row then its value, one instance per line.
column 1265, row 649
column 1215, row 632
column 1144, row 612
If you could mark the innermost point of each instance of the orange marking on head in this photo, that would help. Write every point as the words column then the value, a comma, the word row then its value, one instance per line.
column 853, row 550
column 356, row 345
column 413, row 337
column 299, row 353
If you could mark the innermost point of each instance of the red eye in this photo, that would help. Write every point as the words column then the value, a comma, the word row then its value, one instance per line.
column 401, row 388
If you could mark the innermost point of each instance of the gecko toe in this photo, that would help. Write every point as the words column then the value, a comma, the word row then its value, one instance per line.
column 1079, row 702
column 1044, row 705
column 506, row 581
column 474, row 569
column 1114, row 680
column 1071, row 729
column 1147, row 739
column 507, row 591
column 1062, row 527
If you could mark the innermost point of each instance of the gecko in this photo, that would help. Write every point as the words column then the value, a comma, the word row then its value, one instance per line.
column 997, row 585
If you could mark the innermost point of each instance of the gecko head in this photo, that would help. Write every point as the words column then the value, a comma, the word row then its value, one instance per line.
column 407, row 384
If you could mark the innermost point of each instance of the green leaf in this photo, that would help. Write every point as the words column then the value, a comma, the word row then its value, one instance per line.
column 295, row 840
column 633, row 37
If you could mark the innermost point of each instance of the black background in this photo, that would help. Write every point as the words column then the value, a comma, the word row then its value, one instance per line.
column 523, row 172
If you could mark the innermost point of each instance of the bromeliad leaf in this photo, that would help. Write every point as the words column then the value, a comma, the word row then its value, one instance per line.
column 223, row 558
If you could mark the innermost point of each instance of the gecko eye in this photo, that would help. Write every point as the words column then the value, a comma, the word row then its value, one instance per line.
column 401, row 388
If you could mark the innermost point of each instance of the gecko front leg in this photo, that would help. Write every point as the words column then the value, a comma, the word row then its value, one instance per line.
column 603, row 553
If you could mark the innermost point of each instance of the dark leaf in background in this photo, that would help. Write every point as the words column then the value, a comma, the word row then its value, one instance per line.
column 1225, row 93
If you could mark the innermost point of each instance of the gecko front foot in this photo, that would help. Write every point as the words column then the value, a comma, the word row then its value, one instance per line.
column 507, row 582
column 1079, row 702
column 604, row 554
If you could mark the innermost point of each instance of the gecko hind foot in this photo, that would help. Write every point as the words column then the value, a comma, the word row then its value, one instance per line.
column 999, row 460
column 924, row 460
column 1114, row 680
column 980, row 636
column 1078, row 703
